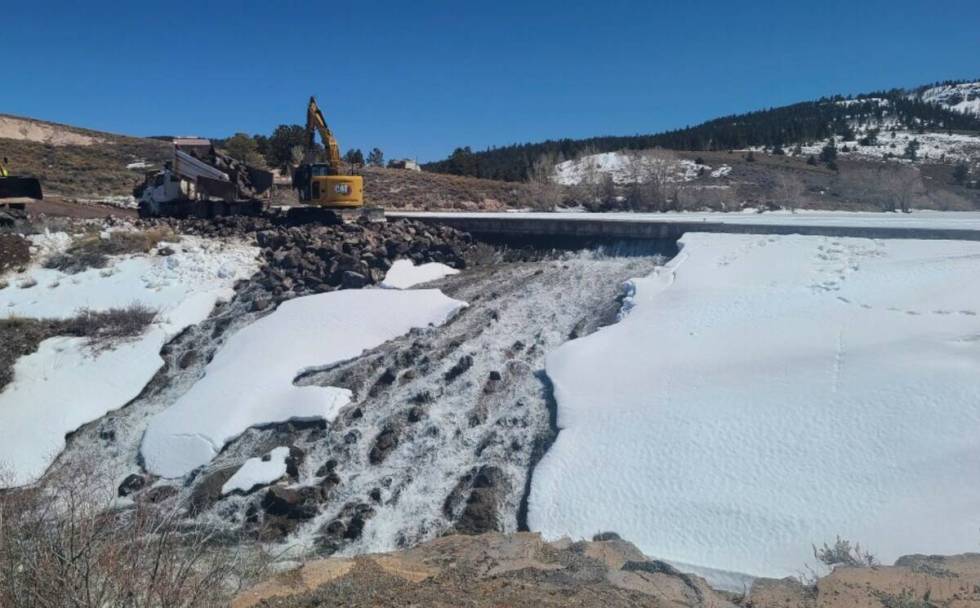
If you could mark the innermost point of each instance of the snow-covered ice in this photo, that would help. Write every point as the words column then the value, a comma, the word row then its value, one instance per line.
column 250, row 380
column 258, row 472
column 404, row 274
column 957, row 220
column 65, row 384
column 764, row 393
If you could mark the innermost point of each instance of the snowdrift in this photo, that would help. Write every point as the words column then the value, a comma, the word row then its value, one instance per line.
column 765, row 393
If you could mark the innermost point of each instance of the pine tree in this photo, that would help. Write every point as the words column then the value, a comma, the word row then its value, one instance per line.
column 828, row 154
column 961, row 172
column 911, row 150
column 376, row 158
column 354, row 157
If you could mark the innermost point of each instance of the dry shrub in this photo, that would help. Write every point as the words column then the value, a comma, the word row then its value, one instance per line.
column 93, row 251
column 66, row 544
column 104, row 328
column 15, row 251
column 544, row 193
column 844, row 553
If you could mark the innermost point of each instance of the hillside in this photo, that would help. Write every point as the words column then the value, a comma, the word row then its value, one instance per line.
column 78, row 163
column 945, row 118
column 75, row 162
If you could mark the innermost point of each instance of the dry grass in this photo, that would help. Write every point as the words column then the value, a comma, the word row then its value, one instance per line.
column 103, row 329
column 15, row 251
column 93, row 251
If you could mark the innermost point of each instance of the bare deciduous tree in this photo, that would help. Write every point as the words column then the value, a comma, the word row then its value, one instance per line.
column 545, row 191
column 651, row 175
column 788, row 190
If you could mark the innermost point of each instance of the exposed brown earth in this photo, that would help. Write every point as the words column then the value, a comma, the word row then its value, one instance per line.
column 521, row 570
column 517, row 570
column 915, row 581
column 403, row 189
column 77, row 163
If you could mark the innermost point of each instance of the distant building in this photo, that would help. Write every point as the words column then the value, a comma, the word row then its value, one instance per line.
column 404, row 163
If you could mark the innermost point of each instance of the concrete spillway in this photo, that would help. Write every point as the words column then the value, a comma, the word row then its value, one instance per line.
column 619, row 226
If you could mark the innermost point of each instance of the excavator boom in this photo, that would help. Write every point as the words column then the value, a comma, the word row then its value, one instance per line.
column 316, row 123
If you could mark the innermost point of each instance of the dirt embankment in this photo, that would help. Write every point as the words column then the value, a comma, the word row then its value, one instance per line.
column 517, row 570
column 521, row 570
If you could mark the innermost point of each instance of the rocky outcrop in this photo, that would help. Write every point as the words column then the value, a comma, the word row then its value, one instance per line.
column 517, row 570
column 474, row 502
column 915, row 581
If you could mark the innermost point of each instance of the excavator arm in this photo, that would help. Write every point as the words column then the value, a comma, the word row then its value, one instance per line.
column 314, row 123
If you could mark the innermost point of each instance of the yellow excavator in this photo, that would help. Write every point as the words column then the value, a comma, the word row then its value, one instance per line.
column 324, row 184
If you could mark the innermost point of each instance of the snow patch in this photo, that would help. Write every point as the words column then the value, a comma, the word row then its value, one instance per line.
column 627, row 167
column 65, row 384
column 765, row 393
column 404, row 274
column 257, row 472
column 250, row 380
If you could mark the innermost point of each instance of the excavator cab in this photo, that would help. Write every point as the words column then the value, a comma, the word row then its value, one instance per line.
column 322, row 183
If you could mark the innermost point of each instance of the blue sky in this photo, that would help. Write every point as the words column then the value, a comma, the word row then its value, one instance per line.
column 418, row 78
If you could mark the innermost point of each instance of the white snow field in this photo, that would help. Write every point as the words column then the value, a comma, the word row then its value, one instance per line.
column 66, row 384
column 258, row 472
column 404, row 274
column 250, row 380
column 763, row 393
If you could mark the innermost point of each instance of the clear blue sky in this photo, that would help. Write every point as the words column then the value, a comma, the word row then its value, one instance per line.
column 420, row 77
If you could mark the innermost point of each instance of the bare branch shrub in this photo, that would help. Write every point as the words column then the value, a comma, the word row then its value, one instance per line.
column 718, row 198
column 788, row 190
column 545, row 191
column 843, row 553
column 103, row 328
column 652, row 183
column 67, row 544
column 886, row 186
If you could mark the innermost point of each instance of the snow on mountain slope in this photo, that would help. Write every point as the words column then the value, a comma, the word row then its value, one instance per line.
column 892, row 142
column 628, row 167
column 65, row 384
column 963, row 97
column 766, row 393
column 250, row 380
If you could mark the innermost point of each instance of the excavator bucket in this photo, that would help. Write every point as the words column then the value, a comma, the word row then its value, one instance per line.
column 19, row 188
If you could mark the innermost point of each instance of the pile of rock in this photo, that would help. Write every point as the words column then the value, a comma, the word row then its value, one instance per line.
column 301, row 260
column 307, row 258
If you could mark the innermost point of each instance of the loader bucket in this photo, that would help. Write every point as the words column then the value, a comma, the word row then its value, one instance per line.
column 20, row 187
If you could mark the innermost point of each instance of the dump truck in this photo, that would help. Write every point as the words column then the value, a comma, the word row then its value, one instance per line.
column 17, row 191
column 202, row 182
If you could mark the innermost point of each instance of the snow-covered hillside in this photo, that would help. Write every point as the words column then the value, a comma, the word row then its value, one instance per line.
column 891, row 143
column 963, row 97
column 631, row 166
column 766, row 393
